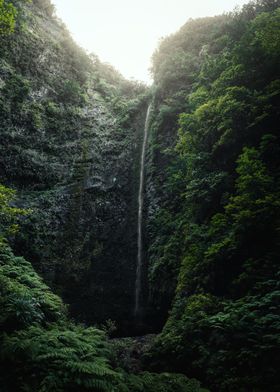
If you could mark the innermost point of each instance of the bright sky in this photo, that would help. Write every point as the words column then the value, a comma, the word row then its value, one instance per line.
column 125, row 33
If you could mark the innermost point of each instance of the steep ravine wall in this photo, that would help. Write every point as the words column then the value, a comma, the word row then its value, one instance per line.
column 70, row 144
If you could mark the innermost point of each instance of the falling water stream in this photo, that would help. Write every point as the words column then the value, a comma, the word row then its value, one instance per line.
column 138, row 283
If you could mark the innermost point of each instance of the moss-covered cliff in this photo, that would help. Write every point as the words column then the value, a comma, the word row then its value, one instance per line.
column 70, row 136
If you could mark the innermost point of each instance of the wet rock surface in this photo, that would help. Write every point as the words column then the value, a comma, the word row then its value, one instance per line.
column 70, row 144
column 129, row 352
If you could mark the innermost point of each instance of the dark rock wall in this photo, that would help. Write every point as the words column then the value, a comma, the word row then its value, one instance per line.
column 70, row 136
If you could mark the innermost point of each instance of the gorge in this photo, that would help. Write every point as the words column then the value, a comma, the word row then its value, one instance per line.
column 130, row 210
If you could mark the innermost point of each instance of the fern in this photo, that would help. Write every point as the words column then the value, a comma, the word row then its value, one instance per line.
column 43, row 356
column 98, row 385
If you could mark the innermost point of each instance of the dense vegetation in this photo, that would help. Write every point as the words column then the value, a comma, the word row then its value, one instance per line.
column 217, row 235
column 42, row 350
column 70, row 142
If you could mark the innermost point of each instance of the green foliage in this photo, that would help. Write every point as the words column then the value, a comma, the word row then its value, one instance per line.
column 9, row 214
column 65, row 358
column 165, row 382
column 234, row 341
column 25, row 299
column 8, row 15
column 266, row 28
column 221, row 202
column 42, row 351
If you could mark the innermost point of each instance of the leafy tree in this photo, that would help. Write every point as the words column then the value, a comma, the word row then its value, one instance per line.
column 7, row 17
column 9, row 213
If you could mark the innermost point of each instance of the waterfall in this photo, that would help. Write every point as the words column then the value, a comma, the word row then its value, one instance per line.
column 138, row 282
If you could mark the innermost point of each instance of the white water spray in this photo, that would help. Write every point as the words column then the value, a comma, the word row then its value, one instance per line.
column 138, row 283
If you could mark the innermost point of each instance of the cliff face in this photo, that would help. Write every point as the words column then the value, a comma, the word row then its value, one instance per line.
column 70, row 132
